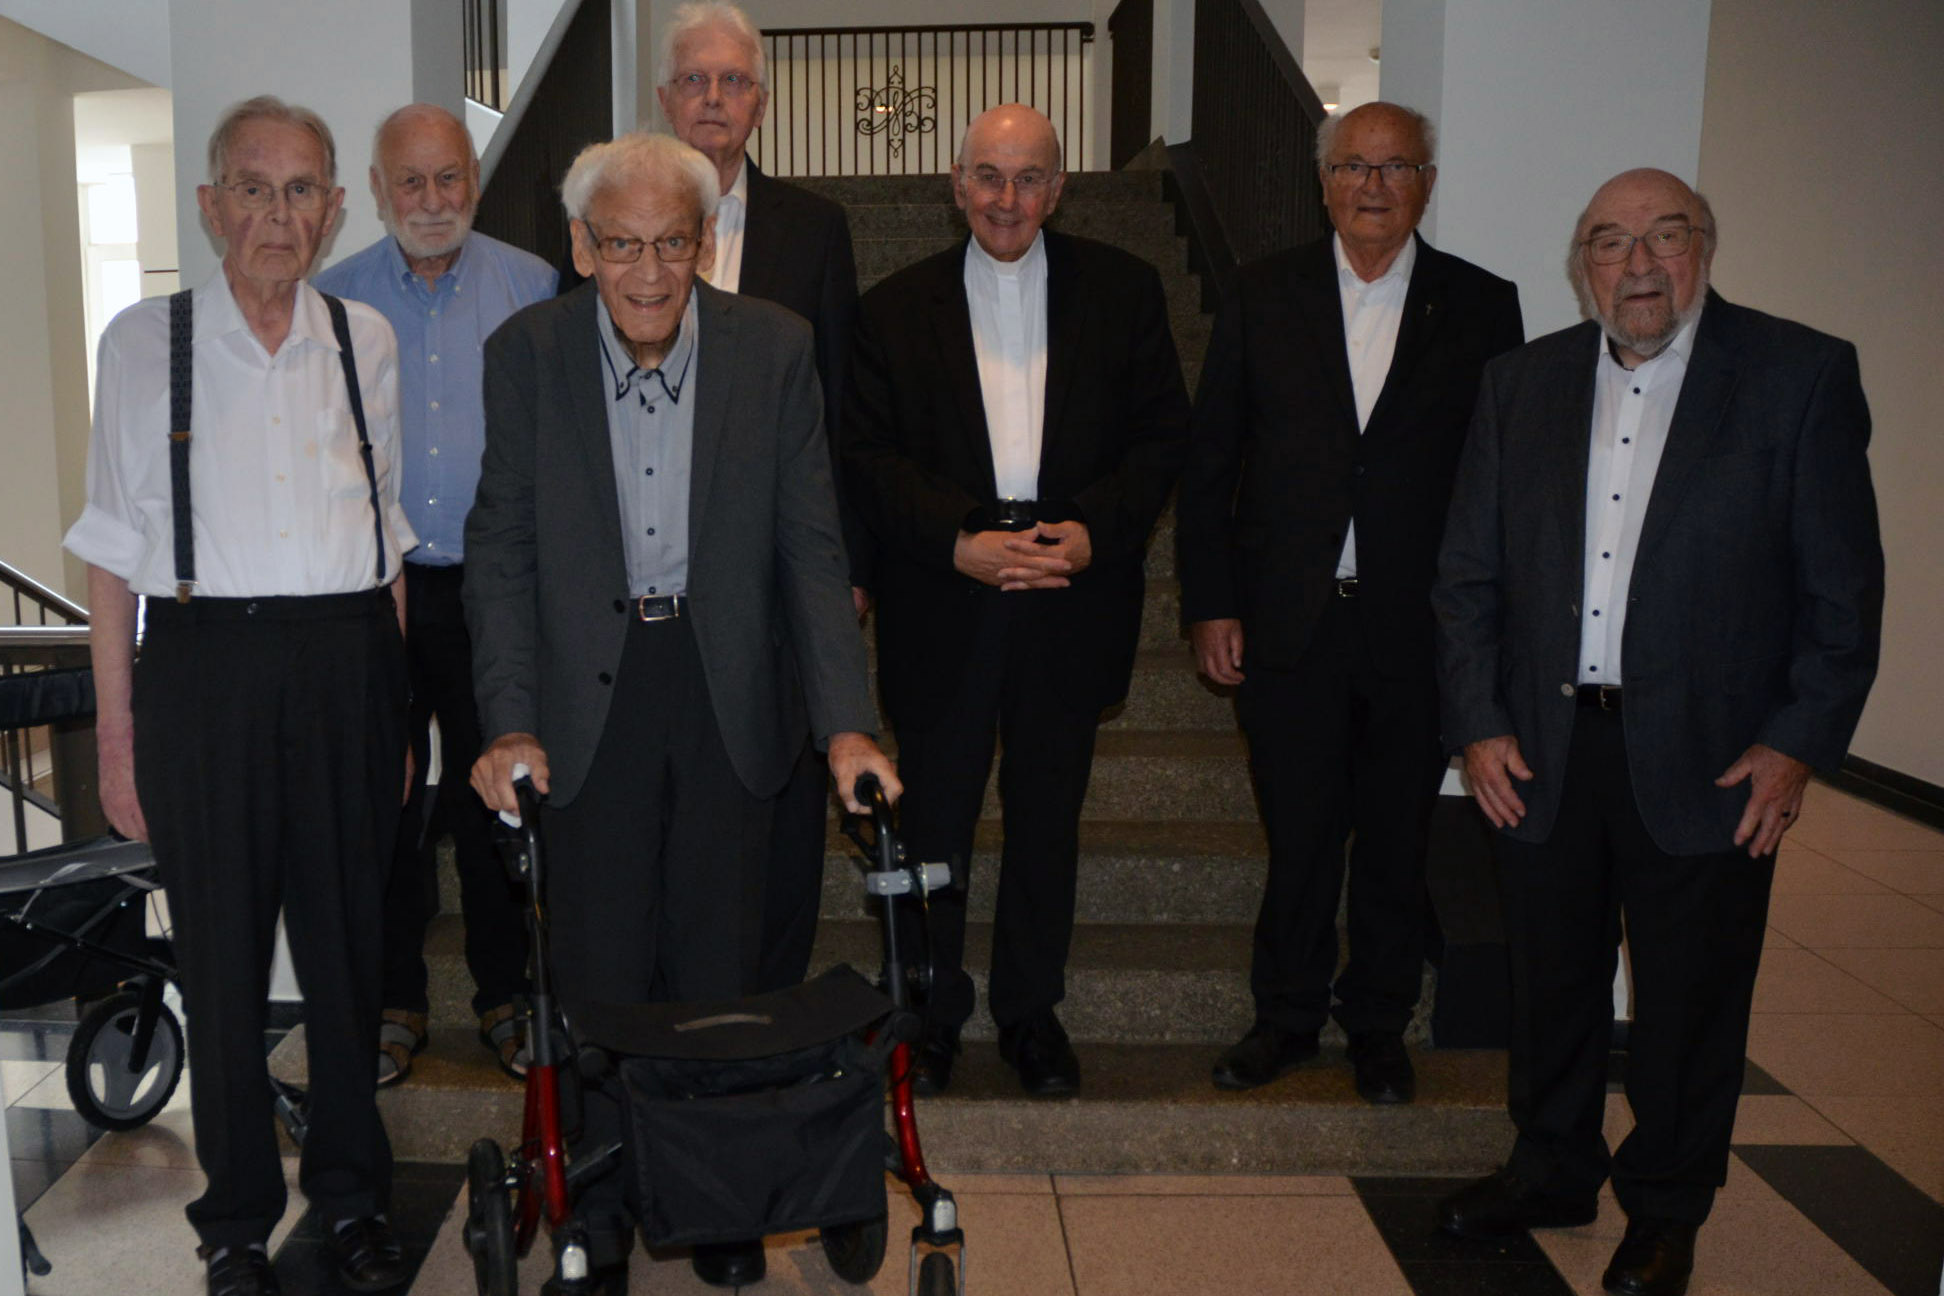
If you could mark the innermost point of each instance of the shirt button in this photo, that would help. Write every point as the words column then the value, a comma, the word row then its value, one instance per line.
column 651, row 530
column 433, row 500
column 434, row 451
column 435, row 404
column 283, row 535
column 1596, row 611
column 1616, row 497
column 1608, row 554
column 432, row 359
column 651, row 472
column 434, row 310
column 280, row 476
column 274, row 420
column 651, row 409
column 1626, row 440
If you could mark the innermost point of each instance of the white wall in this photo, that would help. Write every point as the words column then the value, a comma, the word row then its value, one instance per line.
column 132, row 35
column 1537, row 102
column 1823, row 154
column 353, row 62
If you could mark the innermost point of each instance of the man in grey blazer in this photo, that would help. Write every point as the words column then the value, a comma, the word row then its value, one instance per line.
column 1659, row 606
column 657, row 590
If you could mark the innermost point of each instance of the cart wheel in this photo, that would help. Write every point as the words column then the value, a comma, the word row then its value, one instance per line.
column 855, row 1251
column 107, row 1088
column 489, row 1221
column 936, row 1277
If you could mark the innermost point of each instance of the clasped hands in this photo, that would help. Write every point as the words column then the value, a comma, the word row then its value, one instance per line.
column 1046, row 557
column 1776, row 782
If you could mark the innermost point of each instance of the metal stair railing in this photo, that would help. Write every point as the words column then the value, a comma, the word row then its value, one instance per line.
column 45, row 767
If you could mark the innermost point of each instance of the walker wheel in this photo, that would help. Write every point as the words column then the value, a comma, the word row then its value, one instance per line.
column 107, row 1087
column 489, row 1221
column 936, row 1276
column 855, row 1251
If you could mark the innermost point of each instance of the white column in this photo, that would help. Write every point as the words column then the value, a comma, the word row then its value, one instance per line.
column 352, row 62
column 1537, row 102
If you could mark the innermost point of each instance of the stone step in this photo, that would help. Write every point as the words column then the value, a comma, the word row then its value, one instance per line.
column 1161, row 615
column 1167, row 693
column 1142, row 1108
column 1081, row 186
column 1131, row 871
column 1107, row 221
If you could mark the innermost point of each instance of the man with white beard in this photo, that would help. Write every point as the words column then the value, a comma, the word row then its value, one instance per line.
column 444, row 288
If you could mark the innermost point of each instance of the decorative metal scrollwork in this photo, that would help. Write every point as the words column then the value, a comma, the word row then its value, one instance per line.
column 896, row 112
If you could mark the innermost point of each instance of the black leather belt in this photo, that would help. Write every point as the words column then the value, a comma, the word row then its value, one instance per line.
column 1012, row 515
column 1346, row 587
column 665, row 607
column 1599, row 697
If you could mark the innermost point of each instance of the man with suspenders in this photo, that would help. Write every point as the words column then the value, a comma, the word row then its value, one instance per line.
column 240, row 477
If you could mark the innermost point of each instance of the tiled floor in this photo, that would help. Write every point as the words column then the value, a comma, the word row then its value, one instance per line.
column 1836, row 1186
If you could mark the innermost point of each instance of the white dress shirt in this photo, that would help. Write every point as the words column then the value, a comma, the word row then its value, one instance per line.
column 1371, row 313
column 732, row 215
column 1007, row 300
column 278, row 492
column 1632, row 409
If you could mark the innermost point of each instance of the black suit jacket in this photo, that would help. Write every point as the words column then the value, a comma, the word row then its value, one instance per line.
column 1756, row 601
column 1278, row 469
column 546, row 575
column 920, row 464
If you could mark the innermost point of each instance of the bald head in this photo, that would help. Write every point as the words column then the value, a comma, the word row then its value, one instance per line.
column 425, row 178
column 1008, row 178
column 1640, row 257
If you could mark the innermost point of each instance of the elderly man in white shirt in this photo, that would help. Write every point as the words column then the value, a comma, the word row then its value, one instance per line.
column 240, row 479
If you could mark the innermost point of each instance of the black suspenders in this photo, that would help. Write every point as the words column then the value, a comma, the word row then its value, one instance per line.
column 181, row 381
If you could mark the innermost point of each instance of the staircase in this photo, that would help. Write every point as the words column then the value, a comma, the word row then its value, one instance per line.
column 1171, row 870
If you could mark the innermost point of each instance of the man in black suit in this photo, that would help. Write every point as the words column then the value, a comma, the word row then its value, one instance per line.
column 1016, row 418
column 656, row 591
column 792, row 247
column 1330, row 417
column 1648, row 636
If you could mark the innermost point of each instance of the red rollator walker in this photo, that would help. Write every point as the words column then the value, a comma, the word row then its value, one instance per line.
column 758, row 1116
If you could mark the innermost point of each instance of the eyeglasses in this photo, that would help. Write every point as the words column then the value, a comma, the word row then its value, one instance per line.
column 1661, row 242
column 619, row 250
column 1027, row 185
column 730, row 85
column 1390, row 172
column 257, row 195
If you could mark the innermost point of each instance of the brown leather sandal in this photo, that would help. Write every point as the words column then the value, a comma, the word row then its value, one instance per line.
column 503, row 1030
column 401, row 1037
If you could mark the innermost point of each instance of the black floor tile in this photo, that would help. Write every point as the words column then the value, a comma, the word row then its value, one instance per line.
column 1757, row 1081
column 34, row 1176
column 35, row 1041
column 1456, row 1279
column 48, row 1134
column 422, row 1195
column 283, row 1016
column 61, row 1010
column 1886, row 1224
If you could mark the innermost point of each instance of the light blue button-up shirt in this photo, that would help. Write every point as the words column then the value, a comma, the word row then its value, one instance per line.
column 442, row 333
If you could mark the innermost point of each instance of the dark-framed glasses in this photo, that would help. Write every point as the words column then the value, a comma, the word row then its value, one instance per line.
column 1388, row 172
column 622, row 250
column 729, row 85
column 1663, row 241
column 256, row 195
column 1027, row 184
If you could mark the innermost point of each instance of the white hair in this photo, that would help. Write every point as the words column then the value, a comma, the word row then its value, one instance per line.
column 700, row 15
column 268, row 108
column 659, row 160
column 1326, row 132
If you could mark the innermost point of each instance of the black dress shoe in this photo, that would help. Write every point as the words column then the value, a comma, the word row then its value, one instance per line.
column 1260, row 1056
column 369, row 1258
column 932, row 1058
column 729, row 1264
column 1039, row 1050
column 1655, row 1258
column 1503, row 1205
column 240, row 1271
column 1384, row 1073
column 601, row 1280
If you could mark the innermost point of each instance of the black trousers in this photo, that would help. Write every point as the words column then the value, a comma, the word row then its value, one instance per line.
column 1335, row 748
column 657, row 872
column 269, row 758
column 1048, row 755
column 1694, row 928
column 440, row 651
column 793, row 888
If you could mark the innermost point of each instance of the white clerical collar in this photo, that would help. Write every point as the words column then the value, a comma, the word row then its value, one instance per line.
column 1034, row 261
column 1399, row 268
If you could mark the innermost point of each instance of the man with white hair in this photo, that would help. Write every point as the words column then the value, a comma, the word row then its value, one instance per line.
column 1659, row 605
column 242, row 479
column 444, row 288
column 656, row 589
column 792, row 247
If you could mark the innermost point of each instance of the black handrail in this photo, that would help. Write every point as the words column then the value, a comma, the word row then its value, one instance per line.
column 894, row 100
column 1248, row 176
column 1131, row 31
column 484, row 37
column 29, row 592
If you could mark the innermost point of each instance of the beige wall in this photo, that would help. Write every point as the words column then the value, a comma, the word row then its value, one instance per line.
column 43, row 333
column 1822, row 149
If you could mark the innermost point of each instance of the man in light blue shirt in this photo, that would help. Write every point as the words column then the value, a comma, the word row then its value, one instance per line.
column 444, row 288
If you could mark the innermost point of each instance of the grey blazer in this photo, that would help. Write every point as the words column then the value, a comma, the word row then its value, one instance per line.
column 546, row 584
column 1755, row 609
